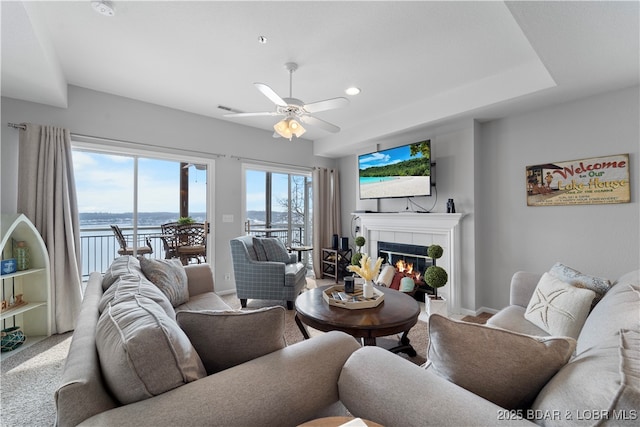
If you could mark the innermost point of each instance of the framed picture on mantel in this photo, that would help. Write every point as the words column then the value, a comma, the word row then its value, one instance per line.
column 596, row 180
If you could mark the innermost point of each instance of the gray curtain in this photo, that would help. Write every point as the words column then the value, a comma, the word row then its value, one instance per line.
column 47, row 196
column 326, row 213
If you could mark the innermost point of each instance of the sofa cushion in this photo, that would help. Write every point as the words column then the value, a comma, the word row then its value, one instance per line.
column 512, row 319
column 294, row 273
column 127, row 285
column 602, row 382
column 204, row 301
column 573, row 277
column 142, row 351
column 504, row 367
column 617, row 310
column 261, row 255
column 227, row 338
column 558, row 307
column 274, row 250
column 169, row 276
column 119, row 267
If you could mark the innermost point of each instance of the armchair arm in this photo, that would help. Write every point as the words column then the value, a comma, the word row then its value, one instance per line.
column 255, row 393
column 200, row 278
column 439, row 402
column 522, row 286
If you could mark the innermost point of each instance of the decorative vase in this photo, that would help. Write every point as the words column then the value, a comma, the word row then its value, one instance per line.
column 12, row 338
column 367, row 289
column 23, row 256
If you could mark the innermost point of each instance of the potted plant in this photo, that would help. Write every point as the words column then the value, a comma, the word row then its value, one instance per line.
column 183, row 220
column 436, row 277
column 356, row 257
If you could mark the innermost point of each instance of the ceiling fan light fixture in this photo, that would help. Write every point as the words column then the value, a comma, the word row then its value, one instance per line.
column 289, row 127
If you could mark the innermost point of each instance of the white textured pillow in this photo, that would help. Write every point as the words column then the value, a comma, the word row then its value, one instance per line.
column 558, row 307
column 142, row 351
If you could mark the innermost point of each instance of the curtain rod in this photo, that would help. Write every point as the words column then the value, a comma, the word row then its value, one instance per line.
column 17, row 126
column 267, row 162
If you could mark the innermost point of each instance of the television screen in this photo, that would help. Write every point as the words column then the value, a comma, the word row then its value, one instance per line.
column 403, row 171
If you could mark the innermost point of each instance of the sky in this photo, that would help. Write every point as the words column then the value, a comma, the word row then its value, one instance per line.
column 104, row 183
column 386, row 157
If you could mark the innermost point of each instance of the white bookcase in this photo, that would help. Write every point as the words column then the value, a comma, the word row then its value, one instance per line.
column 34, row 284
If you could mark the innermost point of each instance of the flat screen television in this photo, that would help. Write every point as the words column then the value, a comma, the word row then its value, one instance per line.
column 403, row 171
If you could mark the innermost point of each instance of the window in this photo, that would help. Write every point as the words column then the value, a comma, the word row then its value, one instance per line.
column 277, row 204
column 136, row 192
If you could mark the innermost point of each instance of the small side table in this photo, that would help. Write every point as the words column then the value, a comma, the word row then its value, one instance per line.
column 335, row 262
column 300, row 250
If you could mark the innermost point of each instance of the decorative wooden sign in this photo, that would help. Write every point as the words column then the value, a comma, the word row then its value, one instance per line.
column 597, row 180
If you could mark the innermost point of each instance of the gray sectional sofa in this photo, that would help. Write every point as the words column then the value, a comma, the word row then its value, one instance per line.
column 591, row 380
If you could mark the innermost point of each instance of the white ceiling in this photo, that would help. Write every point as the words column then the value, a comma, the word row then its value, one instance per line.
column 418, row 63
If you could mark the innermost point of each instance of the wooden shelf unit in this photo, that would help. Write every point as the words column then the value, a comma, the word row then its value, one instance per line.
column 34, row 317
column 335, row 262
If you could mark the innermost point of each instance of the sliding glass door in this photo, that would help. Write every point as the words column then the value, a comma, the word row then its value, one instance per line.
column 277, row 204
column 136, row 193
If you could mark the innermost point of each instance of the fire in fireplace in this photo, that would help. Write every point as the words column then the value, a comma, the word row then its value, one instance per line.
column 409, row 261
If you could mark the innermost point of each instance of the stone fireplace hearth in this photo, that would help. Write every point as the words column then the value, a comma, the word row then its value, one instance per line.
column 420, row 229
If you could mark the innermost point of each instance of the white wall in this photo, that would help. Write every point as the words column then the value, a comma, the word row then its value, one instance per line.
column 107, row 116
column 596, row 239
column 452, row 150
column 482, row 166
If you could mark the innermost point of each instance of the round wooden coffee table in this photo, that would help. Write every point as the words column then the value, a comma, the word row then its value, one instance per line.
column 398, row 313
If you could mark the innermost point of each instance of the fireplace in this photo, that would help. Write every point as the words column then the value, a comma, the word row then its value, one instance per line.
column 421, row 230
column 409, row 261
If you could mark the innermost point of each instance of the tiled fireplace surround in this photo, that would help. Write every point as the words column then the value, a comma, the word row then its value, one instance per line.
column 419, row 229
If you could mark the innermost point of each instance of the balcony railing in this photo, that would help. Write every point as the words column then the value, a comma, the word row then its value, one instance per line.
column 98, row 245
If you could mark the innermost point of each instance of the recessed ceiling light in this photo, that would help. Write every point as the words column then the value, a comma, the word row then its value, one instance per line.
column 103, row 7
column 352, row 91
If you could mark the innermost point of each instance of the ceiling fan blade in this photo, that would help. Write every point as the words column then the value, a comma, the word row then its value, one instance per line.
column 314, row 121
column 270, row 93
column 264, row 113
column 327, row 104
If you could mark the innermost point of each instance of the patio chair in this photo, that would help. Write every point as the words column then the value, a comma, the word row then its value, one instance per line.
column 169, row 239
column 191, row 242
column 125, row 249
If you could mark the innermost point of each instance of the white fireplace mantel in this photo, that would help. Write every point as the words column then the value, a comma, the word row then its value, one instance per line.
column 419, row 229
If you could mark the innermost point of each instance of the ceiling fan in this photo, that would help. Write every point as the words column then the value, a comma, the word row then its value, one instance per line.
column 294, row 110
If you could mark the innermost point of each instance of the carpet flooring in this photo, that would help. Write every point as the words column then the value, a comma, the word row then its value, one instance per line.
column 30, row 377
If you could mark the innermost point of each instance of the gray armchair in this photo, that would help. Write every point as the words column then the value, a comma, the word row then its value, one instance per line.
column 259, row 278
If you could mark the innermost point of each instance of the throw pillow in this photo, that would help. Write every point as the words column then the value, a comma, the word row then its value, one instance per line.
column 504, row 367
column 386, row 276
column 567, row 274
column 128, row 285
column 143, row 352
column 275, row 250
column 169, row 276
column 120, row 266
column 604, row 377
column 261, row 255
column 558, row 307
column 227, row 338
